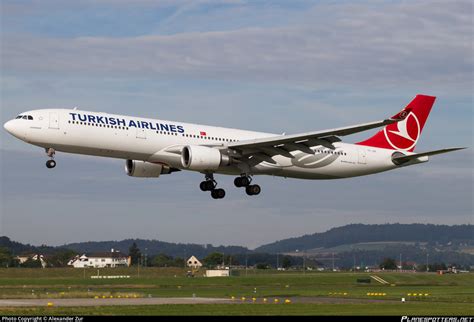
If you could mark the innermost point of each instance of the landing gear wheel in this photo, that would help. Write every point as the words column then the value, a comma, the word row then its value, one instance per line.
column 218, row 193
column 253, row 190
column 241, row 181
column 238, row 182
column 207, row 185
column 50, row 164
column 245, row 181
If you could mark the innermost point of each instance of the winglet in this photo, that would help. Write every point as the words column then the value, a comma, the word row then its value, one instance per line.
column 400, row 116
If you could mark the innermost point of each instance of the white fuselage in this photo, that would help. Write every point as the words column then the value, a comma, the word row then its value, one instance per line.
column 157, row 141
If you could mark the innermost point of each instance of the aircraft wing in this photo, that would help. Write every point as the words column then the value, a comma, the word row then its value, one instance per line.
column 265, row 148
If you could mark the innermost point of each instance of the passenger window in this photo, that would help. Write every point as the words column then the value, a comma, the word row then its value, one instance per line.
column 24, row 117
column 30, row 117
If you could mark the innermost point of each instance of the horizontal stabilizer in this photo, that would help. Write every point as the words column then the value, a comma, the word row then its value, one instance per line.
column 400, row 159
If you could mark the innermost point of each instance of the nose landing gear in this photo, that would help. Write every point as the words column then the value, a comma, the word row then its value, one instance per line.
column 50, row 163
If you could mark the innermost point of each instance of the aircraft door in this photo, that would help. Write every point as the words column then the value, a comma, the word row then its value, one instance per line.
column 54, row 120
column 362, row 156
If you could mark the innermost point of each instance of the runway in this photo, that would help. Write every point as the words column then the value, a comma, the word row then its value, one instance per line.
column 173, row 300
column 111, row 302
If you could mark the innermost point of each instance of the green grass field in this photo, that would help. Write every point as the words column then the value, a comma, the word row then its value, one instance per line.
column 451, row 294
column 253, row 309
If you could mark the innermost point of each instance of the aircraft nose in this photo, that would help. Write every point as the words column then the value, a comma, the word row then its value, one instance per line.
column 9, row 126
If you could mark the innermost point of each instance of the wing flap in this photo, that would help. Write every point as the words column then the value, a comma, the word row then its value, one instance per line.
column 271, row 151
column 263, row 157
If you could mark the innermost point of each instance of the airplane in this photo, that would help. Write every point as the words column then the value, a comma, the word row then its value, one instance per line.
column 153, row 147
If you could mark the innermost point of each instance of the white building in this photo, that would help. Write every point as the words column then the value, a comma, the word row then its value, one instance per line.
column 101, row 260
column 35, row 257
column 193, row 262
column 217, row 273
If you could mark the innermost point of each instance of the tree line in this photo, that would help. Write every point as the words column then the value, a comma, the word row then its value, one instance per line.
column 217, row 259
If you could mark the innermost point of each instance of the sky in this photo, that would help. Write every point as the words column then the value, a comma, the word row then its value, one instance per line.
column 270, row 66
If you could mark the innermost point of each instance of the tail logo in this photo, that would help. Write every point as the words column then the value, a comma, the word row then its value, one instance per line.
column 403, row 135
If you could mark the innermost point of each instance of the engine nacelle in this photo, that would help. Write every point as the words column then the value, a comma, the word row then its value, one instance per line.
column 143, row 169
column 201, row 158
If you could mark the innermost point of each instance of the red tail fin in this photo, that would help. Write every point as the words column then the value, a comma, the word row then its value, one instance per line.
column 404, row 135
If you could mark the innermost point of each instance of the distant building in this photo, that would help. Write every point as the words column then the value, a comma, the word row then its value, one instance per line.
column 217, row 273
column 101, row 260
column 410, row 264
column 23, row 258
column 193, row 262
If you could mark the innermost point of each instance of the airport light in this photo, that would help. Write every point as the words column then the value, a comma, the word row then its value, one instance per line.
column 333, row 262
column 304, row 263
column 246, row 262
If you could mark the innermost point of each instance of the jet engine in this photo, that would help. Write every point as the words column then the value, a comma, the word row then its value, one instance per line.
column 145, row 169
column 201, row 158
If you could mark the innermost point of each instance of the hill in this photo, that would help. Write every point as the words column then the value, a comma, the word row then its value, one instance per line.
column 150, row 247
column 155, row 247
column 360, row 233
column 19, row 248
column 342, row 246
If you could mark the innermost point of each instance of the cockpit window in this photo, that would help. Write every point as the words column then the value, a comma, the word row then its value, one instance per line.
column 24, row 117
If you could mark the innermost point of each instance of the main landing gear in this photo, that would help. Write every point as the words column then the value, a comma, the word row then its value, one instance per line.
column 244, row 181
column 209, row 184
column 50, row 163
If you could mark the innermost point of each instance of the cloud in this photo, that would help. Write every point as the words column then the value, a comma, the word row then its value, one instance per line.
column 410, row 43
